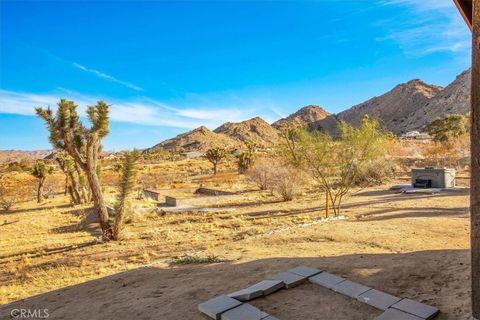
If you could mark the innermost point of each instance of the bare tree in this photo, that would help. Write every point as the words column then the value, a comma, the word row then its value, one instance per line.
column 262, row 173
column 286, row 181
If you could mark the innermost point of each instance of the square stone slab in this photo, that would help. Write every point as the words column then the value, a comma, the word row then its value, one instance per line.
column 268, row 286
column 244, row 312
column 305, row 271
column 270, row 318
column 394, row 314
column 216, row 306
column 350, row 288
column 416, row 308
column 378, row 299
column 326, row 279
column 289, row 279
column 246, row 294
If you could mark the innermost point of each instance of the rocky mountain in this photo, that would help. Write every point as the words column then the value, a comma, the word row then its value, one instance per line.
column 454, row 99
column 393, row 107
column 7, row 156
column 407, row 107
column 256, row 130
column 302, row 117
column 198, row 139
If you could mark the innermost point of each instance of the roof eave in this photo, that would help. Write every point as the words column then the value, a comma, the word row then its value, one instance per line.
column 466, row 9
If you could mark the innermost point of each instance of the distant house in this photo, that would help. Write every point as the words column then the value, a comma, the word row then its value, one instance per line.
column 415, row 135
column 193, row 154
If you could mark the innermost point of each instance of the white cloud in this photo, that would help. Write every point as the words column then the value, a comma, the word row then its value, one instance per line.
column 107, row 77
column 141, row 111
column 434, row 26
column 422, row 4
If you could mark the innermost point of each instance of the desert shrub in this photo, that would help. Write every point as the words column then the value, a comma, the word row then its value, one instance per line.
column 262, row 174
column 7, row 203
column 195, row 259
column 286, row 181
column 449, row 152
column 375, row 173
column 8, row 197
column 16, row 166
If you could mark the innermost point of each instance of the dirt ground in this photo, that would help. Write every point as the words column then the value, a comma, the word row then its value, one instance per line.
column 412, row 246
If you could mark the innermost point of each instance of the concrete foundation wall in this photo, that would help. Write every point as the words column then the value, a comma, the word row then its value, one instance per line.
column 151, row 194
column 213, row 192
column 200, row 201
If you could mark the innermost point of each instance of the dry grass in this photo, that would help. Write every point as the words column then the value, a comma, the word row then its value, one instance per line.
column 54, row 245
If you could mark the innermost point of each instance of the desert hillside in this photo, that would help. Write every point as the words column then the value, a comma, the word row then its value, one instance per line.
column 304, row 116
column 394, row 106
column 407, row 107
column 198, row 139
column 454, row 99
column 18, row 155
column 256, row 130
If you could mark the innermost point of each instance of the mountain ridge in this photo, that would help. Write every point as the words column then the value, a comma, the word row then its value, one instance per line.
column 406, row 107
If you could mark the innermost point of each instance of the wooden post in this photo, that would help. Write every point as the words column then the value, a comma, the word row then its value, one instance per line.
column 327, row 203
column 475, row 162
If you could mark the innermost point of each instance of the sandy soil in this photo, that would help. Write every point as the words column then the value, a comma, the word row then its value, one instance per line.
column 413, row 246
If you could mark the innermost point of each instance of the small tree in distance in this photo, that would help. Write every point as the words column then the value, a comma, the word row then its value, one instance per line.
column 215, row 156
column 246, row 158
column 445, row 129
column 40, row 171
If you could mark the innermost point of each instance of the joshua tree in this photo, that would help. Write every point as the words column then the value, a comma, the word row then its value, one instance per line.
column 246, row 159
column 40, row 171
column 83, row 144
column 72, row 185
column 127, row 184
column 215, row 155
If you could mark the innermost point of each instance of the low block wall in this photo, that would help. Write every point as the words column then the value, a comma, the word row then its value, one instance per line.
column 200, row 201
column 213, row 192
column 151, row 194
column 171, row 201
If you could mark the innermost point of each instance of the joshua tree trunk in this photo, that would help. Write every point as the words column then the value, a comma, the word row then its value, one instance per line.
column 82, row 186
column 215, row 168
column 41, row 182
column 77, row 199
column 66, row 185
column 96, row 190
column 119, row 213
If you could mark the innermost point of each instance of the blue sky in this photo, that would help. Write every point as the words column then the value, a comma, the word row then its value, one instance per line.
column 170, row 66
